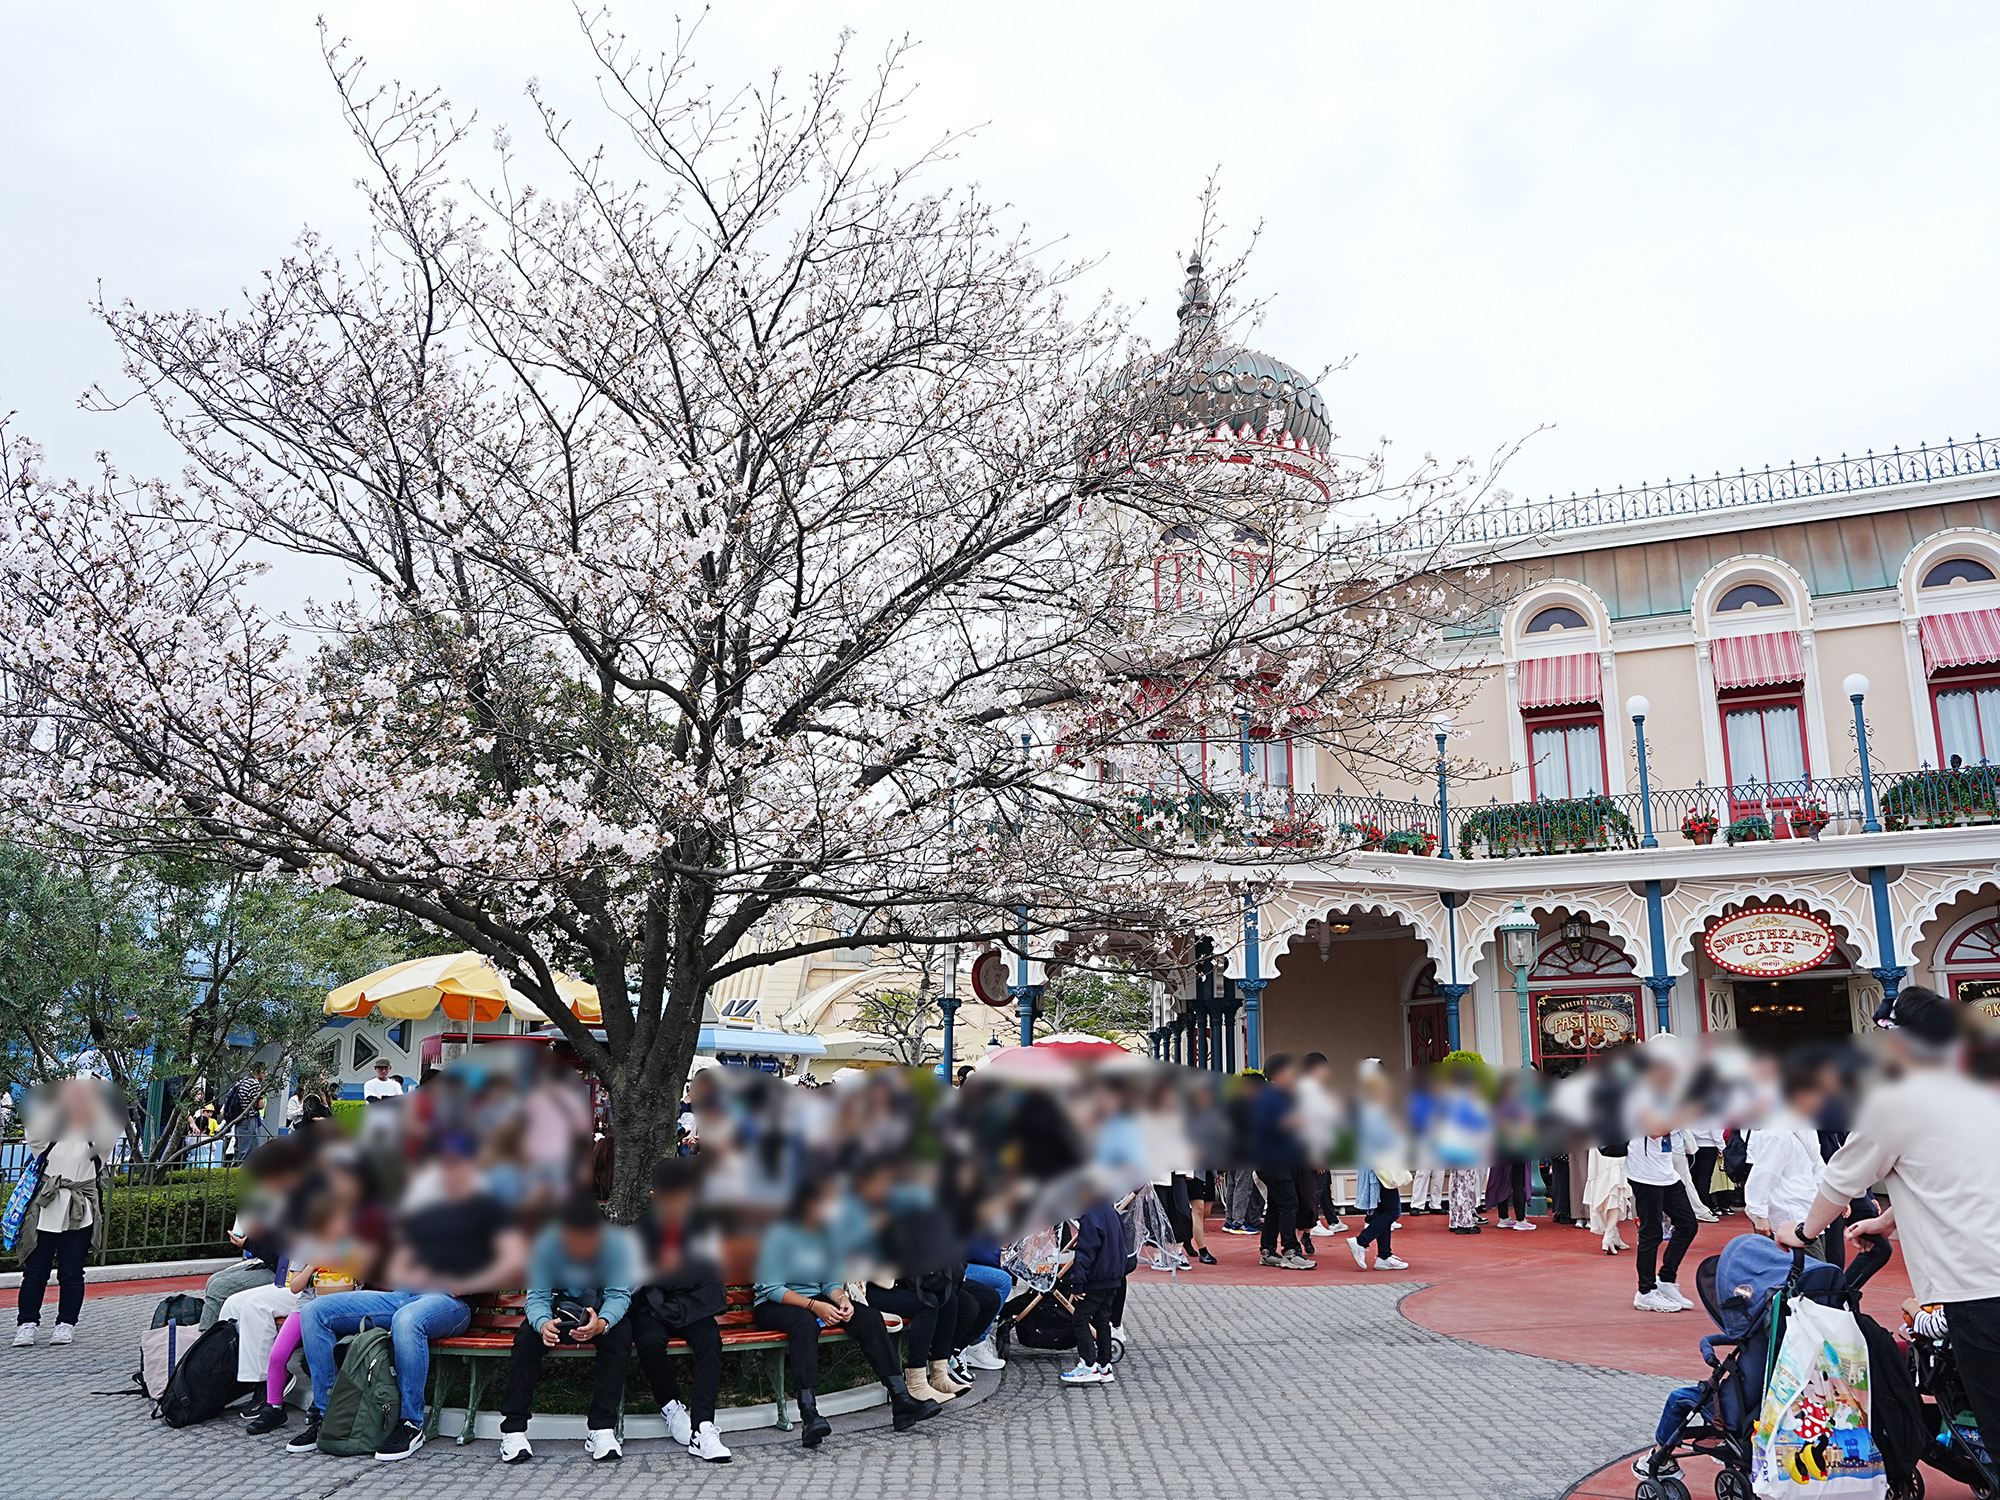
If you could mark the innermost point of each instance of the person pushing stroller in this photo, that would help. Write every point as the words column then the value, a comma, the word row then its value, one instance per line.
column 1098, row 1275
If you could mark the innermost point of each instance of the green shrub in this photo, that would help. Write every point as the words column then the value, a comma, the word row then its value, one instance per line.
column 1750, row 830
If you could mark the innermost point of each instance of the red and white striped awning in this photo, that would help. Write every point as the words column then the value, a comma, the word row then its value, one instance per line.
column 1547, row 681
column 1960, row 640
column 1742, row 661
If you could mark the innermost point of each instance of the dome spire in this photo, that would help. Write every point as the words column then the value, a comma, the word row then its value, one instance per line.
column 1196, row 314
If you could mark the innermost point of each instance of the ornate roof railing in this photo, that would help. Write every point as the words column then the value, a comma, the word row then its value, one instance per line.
column 1923, row 464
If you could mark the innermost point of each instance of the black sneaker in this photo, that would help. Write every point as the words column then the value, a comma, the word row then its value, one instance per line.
column 307, row 1441
column 405, row 1440
column 266, row 1418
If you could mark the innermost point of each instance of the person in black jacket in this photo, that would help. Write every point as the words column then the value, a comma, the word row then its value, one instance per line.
column 682, row 1298
column 1098, row 1276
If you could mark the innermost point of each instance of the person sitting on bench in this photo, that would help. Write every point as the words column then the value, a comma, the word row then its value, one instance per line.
column 580, row 1281
column 801, row 1289
column 681, row 1299
column 461, row 1243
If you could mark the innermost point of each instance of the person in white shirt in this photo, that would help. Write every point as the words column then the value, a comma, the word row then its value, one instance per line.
column 382, row 1086
column 1657, row 1112
column 1929, row 1137
column 1785, row 1163
column 72, row 1132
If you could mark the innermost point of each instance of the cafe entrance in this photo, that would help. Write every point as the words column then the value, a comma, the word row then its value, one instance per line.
column 1781, row 1014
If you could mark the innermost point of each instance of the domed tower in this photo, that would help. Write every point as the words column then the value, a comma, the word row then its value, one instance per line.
column 1253, row 395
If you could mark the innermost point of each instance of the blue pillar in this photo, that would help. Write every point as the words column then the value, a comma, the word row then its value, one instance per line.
column 1444, row 810
column 1027, row 997
column 1208, row 1054
column 949, row 1005
column 1251, row 986
column 1452, row 992
column 1889, row 972
column 1659, row 981
column 1638, row 708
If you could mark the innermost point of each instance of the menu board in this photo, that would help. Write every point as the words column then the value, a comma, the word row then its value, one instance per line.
column 1572, row 1024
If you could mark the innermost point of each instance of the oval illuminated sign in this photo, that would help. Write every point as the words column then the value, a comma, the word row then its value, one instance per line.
column 1768, row 942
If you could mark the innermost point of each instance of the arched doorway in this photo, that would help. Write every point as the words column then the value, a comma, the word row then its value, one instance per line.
column 1428, row 1025
column 1773, row 1002
column 1968, row 963
column 1583, row 999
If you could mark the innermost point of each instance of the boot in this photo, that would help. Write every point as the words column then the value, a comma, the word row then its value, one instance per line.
column 919, row 1382
column 904, row 1402
column 817, row 1428
column 943, row 1383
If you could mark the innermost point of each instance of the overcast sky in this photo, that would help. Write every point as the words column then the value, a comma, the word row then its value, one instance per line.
column 1690, row 237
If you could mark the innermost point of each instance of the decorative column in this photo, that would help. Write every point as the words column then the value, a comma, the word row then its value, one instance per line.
column 1027, row 989
column 1454, row 991
column 1251, row 986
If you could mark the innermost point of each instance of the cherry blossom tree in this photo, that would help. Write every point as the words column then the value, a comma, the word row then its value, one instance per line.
column 747, row 546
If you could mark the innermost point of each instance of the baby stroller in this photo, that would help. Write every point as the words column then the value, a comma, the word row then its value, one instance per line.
column 1040, row 1313
column 1957, row 1449
column 1745, row 1290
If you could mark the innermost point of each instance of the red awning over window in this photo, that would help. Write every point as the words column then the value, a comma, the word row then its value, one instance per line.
column 1549, row 681
column 1961, row 640
column 1742, row 661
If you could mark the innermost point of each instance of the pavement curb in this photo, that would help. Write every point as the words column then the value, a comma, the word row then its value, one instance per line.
column 158, row 1270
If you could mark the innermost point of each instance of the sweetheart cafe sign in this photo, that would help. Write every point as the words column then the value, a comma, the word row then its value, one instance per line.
column 1768, row 942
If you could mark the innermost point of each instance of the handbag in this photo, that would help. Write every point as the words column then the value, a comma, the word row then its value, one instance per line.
column 16, row 1212
column 1391, row 1173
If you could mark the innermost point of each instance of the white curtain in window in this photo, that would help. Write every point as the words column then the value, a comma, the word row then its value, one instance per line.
column 1569, row 761
column 1958, row 724
column 1784, row 748
column 1269, row 763
column 1745, row 731
column 1586, row 761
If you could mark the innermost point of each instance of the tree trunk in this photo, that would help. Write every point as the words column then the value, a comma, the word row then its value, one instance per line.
column 643, row 1119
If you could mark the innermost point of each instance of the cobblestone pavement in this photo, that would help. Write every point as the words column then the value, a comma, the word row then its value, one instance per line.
column 1227, row 1391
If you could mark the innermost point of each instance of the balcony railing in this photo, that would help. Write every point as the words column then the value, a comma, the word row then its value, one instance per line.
column 1749, row 812
column 1924, row 464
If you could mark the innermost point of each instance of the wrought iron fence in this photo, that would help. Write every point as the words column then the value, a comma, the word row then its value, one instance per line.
column 1922, row 464
column 151, row 1212
column 1748, row 812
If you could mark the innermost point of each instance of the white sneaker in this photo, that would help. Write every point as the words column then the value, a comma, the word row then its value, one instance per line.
column 680, row 1425
column 24, row 1336
column 603, row 1444
column 983, row 1356
column 1360, row 1253
column 1391, row 1263
column 707, row 1446
column 1667, row 1288
column 1082, row 1374
column 1105, row 1375
column 64, row 1333
column 514, row 1448
column 1526, row 1224
column 1653, row 1301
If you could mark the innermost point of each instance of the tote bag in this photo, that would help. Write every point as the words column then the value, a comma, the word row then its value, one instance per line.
column 1813, row 1437
column 16, row 1212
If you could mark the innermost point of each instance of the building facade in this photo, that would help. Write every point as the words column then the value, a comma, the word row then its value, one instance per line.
column 1748, row 890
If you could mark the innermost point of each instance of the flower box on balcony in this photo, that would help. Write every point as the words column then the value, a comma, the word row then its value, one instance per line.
column 1574, row 825
column 1942, row 799
column 1410, row 841
column 1752, row 830
column 1700, row 827
column 1808, row 819
column 1367, row 836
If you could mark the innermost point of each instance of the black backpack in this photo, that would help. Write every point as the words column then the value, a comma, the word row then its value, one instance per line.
column 1736, row 1156
column 204, row 1382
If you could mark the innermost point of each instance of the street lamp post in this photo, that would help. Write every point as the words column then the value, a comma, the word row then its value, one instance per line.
column 1856, row 688
column 949, row 1005
column 1251, row 986
column 1518, row 940
column 1659, row 981
column 1888, row 970
column 1444, row 803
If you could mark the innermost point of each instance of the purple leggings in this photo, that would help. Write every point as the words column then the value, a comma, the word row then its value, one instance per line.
column 289, row 1334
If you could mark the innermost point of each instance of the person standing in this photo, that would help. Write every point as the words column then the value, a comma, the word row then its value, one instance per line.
column 240, row 1108
column 1099, row 1275
column 71, row 1133
column 1656, row 1193
column 1929, row 1137
column 1383, row 1152
column 1785, row 1161
column 1274, row 1146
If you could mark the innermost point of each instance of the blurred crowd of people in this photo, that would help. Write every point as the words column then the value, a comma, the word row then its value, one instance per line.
column 926, row 1221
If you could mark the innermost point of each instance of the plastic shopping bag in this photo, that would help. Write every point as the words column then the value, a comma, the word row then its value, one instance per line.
column 1812, row 1438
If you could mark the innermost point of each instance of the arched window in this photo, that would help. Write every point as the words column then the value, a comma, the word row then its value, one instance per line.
column 1557, row 617
column 1957, row 570
column 1750, row 596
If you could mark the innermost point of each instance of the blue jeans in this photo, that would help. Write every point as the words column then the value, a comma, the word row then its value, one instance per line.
column 996, row 1278
column 413, row 1319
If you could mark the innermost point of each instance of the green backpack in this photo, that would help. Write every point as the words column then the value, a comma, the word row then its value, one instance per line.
column 365, row 1404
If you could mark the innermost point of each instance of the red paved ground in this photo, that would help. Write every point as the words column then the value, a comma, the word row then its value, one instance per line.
column 1551, row 1293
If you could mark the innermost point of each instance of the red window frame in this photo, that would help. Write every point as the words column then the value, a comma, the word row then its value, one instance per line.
column 1177, row 580
column 1960, row 680
column 1781, row 695
column 1261, row 570
column 1564, row 716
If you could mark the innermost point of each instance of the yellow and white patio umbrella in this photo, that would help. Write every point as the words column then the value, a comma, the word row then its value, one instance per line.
column 466, row 985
